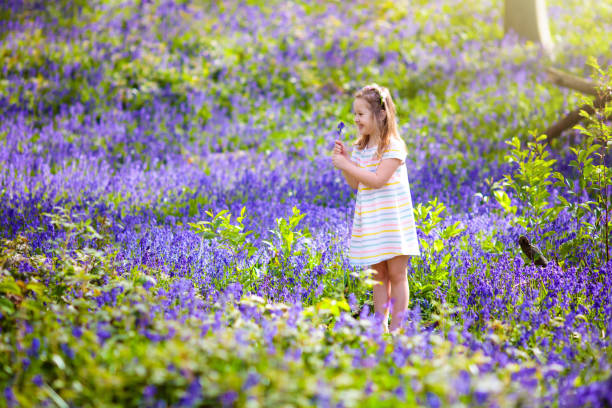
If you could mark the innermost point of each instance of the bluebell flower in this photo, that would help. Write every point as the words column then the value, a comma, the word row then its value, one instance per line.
column 77, row 331
column 193, row 395
column 400, row 392
column 481, row 397
column 252, row 379
column 433, row 400
column 228, row 398
column 37, row 379
column 339, row 128
column 462, row 383
column 34, row 347
column 9, row 397
column 67, row 350
column 369, row 388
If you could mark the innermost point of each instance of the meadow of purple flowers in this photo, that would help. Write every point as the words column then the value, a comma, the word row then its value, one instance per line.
column 122, row 124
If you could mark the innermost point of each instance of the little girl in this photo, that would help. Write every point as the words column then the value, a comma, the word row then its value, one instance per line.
column 384, row 232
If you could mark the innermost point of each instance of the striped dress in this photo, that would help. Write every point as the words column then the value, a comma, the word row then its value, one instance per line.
column 383, row 224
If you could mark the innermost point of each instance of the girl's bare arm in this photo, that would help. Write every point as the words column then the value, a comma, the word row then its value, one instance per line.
column 375, row 179
column 352, row 181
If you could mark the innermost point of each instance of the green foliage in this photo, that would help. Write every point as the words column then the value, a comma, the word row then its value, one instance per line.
column 432, row 268
column 592, row 215
column 46, row 295
column 230, row 237
column 78, row 370
column 139, row 73
column 58, row 294
column 289, row 241
column 76, row 259
column 288, row 236
column 534, row 175
column 530, row 184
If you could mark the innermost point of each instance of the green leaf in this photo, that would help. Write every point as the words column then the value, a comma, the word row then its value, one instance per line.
column 10, row 286
column 438, row 245
column 504, row 200
column 6, row 306
column 36, row 287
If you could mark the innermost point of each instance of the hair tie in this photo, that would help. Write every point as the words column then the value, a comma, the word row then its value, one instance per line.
column 383, row 96
column 381, row 92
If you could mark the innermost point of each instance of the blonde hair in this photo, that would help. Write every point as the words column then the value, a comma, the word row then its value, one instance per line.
column 379, row 100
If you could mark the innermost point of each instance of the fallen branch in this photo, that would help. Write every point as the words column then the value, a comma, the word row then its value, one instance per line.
column 570, row 81
column 573, row 118
column 579, row 84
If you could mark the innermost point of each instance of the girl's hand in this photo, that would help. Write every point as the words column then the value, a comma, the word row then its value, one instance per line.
column 339, row 160
column 339, row 148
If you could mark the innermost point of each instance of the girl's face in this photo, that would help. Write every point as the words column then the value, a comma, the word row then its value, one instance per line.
column 364, row 119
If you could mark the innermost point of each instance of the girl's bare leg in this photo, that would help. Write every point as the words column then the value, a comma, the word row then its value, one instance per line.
column 397, row 273
column 382, row 292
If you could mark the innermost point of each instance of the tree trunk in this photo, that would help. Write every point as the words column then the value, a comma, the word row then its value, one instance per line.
column 529, row 19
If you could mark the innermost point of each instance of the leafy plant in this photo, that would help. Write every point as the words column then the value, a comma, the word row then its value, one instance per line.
column 530, row 184
column 76, row 261
column 592, row 216
column 287, row 239
column 534, row 175
column 229, row 236
column 432, row 267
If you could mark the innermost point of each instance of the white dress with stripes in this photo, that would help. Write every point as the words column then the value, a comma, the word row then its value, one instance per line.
column 383, row 224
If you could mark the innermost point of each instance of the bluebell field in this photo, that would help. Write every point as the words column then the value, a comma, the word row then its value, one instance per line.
column 175, row 235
